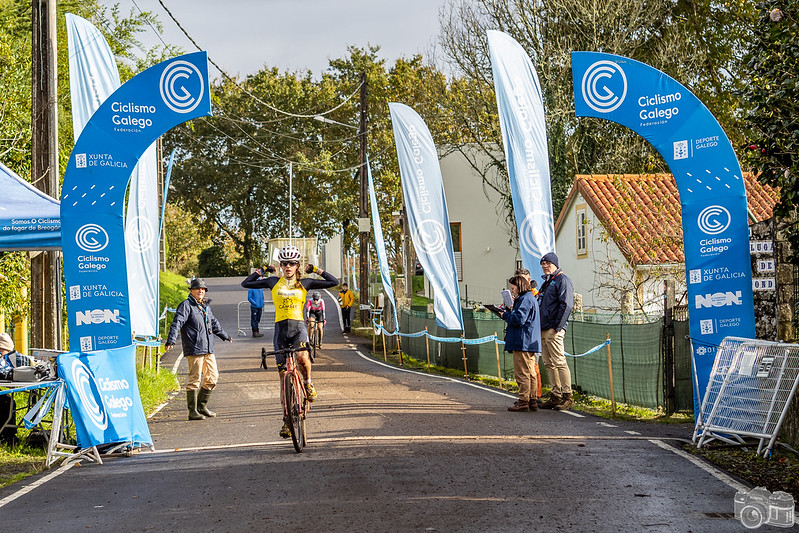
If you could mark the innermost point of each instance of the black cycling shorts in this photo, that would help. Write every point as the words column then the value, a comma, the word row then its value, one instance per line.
column 316, row 315
column 288, row 334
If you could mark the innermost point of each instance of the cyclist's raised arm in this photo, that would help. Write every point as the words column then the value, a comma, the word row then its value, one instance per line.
column 252, row 281
column 328, row 279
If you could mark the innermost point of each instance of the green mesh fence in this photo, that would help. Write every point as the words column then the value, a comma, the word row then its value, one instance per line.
column 635, row 360
column 635, row 351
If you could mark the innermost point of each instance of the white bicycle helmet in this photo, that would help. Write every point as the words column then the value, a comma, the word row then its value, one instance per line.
column 316, row 296
column 289, row 253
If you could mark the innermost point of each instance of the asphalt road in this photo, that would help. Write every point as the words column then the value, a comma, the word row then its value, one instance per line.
column 388, row 450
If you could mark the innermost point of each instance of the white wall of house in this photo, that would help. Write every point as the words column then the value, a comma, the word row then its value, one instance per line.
column 598, row 269
column 331, row 259
column 487, row 259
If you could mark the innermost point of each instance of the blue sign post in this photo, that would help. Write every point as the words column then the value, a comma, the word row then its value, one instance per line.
column 712, row 195
column 95, row 183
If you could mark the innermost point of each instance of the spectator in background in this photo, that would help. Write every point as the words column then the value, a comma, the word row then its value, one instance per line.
column 256, row 299
column 556, row 300
column 526, row 274
column 346, row 299
column 197, row 326
column 523, row 339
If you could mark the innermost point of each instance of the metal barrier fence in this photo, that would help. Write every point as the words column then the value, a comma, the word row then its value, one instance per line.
column 636, row 355
column 750, row 387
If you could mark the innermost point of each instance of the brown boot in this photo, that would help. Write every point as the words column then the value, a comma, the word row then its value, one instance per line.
column 566, row 404
column 553, row 401
column 533, row 404
column 520, row 405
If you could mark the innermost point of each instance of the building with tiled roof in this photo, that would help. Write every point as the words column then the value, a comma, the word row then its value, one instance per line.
column 619, row 236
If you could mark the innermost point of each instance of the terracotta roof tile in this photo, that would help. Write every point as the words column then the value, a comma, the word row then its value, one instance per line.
column 642, row 213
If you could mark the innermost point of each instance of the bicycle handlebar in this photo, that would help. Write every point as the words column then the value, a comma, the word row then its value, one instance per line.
column 288, row 350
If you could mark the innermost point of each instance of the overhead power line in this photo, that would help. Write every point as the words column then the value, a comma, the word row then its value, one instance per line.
column 243, row 89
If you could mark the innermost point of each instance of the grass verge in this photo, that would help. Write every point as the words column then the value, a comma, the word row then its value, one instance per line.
column 22, row 461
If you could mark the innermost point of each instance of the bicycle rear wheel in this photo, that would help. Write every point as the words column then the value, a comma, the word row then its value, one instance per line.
column 295, row 418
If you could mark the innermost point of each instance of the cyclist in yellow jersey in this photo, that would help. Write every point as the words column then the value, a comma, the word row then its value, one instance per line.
column 288, row 294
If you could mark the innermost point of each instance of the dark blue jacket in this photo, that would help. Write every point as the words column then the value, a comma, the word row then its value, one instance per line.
column 556, row 301
column 197, row 328
column 524, row 326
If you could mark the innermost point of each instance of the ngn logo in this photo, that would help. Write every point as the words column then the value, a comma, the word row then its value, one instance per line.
column 718, row 299
column 97, row 316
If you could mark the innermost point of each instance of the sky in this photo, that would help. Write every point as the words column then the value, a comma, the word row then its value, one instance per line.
column 244, row 35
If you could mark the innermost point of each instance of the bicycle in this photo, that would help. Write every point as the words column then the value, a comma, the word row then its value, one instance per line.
column 314, row 337
column 294, row 398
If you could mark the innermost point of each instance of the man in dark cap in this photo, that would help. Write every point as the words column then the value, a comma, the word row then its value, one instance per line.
column 197, row 326
column 556, row 300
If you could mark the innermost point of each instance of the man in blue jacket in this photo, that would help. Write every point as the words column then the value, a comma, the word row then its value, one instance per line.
column 256, row 299
column 197, row 326
column 556, row 300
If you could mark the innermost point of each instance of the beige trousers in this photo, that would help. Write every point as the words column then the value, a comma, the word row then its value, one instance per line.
column 524, row 372
column 553, row 355
column 204, row 365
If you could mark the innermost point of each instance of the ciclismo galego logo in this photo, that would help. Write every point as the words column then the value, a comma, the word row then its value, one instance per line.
column 91, row 238
column 431, row 236
column 714, row 220
column 532, row 224
column 89, row 392
column 140, row 235
column 604, row 86
column 182, row 87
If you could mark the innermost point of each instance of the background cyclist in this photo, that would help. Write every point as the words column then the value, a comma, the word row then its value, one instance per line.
column 288, row 294
column 315, row 315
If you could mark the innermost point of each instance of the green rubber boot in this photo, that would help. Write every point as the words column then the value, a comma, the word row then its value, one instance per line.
column 191, row 401
column 202, row 403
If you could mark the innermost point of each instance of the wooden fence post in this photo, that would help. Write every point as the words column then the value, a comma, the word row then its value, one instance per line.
column 463, row 351
column 610, row 375
column 499, row 369
column 427, row 347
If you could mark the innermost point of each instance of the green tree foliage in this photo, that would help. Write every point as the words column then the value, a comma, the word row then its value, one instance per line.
column 234, row 166
column 696, row 42
column 184, row 240
column 15, row 101
column 773, row 93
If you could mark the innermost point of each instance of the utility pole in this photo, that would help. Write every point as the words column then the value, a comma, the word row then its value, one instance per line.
column 363, row 213
column 46, row 266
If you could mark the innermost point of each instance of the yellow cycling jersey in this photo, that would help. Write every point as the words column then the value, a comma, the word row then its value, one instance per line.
column 288, row 299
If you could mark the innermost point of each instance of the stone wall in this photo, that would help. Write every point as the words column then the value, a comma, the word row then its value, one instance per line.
column 775, row 305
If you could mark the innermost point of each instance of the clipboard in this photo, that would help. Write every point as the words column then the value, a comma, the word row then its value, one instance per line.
column 494, row 309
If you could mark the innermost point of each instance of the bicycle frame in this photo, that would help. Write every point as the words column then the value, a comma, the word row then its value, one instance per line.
column 292, row 386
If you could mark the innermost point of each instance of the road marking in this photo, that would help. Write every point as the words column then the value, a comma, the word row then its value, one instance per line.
column 177, row 363
column 445, row 378
column 41, row 481
column 338, row 309
column 632, row 432
column 605, row 424
column 716, row 473
column 412, row 438
column 454, row 380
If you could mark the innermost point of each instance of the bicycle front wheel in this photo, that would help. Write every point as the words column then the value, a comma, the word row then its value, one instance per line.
column 296, row 423
column 314, row 341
